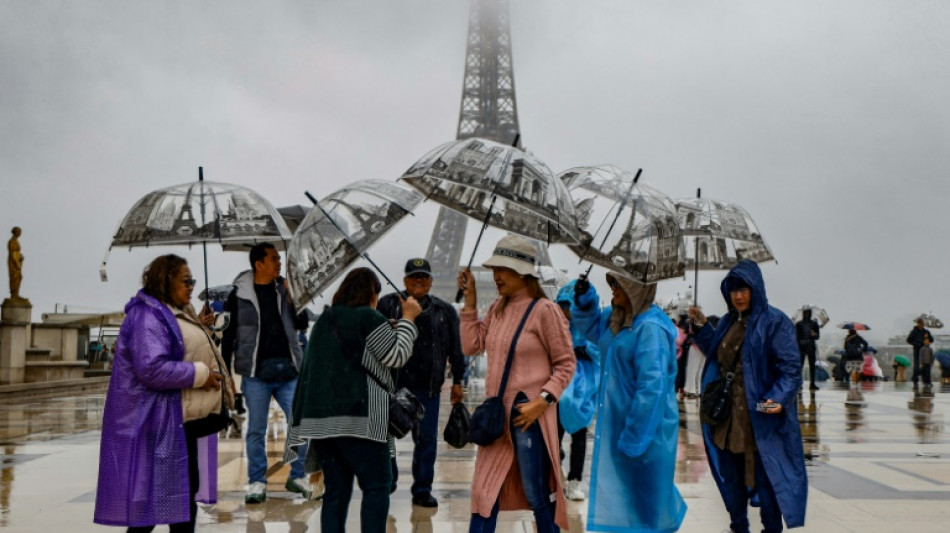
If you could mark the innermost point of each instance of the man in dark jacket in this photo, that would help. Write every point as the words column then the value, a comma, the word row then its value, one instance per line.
column 261, row 341
column 916, row 339
column 807, row 332
column 424, row 374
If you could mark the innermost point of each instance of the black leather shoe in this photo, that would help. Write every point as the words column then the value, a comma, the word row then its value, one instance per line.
column 425, row 500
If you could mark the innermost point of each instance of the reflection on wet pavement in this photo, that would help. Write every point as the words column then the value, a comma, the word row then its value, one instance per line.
column 870, row 449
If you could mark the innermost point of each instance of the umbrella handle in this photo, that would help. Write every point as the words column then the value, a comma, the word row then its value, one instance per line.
column 461, row 293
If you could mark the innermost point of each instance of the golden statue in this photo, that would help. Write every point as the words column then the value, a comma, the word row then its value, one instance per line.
column 15, row 263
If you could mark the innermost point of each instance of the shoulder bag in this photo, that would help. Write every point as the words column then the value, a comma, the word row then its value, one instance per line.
column 488, row 420
column 715, row 404
column 405, row 410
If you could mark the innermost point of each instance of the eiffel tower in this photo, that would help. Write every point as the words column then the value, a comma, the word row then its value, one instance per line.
column 488, row 110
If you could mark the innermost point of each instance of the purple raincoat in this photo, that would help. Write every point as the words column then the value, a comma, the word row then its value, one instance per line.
column 143, row 460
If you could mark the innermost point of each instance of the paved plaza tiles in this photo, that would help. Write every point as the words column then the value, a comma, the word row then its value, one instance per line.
column 878, row 461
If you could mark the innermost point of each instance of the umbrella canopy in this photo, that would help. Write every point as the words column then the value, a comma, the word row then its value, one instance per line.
column 930, row 321
column 719, row 234
column 817, row 313
column 322, row 247
column 901, row 360
column 199, row 212
column 857, row 326
column 510, row 188
column 625, row 225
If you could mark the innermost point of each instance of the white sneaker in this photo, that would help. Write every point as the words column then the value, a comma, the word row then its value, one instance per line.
column 301, row 485
column 256, row 492
column 574, row 491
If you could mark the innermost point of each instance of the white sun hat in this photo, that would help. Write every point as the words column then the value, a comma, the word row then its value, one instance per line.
column 517, row 253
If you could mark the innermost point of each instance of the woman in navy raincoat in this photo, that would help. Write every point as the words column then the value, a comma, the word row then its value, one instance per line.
column 637, row 416
column 759, row 449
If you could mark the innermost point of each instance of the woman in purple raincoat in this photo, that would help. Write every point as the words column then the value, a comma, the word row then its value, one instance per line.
column 146, row 476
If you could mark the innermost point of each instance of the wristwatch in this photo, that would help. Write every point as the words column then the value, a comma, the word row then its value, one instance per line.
column 548, row 397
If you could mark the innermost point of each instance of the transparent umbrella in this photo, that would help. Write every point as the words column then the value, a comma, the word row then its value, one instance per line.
column 502, row 185
column 340, row 229
column 930, row 321
column 817, row 313
column 718, row 235
column 199, row 212
column 625, row 225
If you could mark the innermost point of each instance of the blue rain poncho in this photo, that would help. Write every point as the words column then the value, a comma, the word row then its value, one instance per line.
column 771, row 368
column 637, row 425
column 578, row 402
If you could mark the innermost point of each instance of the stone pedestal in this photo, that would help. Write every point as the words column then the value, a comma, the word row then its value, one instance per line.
column 15, row 319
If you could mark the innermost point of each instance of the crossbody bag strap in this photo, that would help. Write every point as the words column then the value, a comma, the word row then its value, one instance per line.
column 339, row 339
column 511, row 351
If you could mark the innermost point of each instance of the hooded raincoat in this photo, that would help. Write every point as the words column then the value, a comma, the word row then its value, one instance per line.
column 143, row 459
column 578, row 403
column 771, row 367
column 637, row 423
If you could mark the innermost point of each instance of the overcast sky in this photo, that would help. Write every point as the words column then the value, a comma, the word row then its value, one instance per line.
column 827, row 120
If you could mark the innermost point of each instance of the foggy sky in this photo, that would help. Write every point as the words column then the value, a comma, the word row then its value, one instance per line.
column 826, row 120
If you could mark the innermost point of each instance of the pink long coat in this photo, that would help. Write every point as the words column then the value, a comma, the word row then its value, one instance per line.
column 543, row 360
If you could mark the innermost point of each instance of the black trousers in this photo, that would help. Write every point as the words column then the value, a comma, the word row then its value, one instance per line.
column 808, row 351
column 578, row 451
column 191, row 442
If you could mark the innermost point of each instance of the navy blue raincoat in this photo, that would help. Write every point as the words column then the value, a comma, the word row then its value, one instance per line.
column 771, row 367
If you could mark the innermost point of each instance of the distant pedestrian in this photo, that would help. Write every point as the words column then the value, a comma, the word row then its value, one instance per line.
column 167, row 372
column 637, row 430
column 341, row 406
column 516, row 471
column 916, row 339
column 424, row 374
column 807, row 332
column 853, row 360
column 926, row 361
column 758, row 450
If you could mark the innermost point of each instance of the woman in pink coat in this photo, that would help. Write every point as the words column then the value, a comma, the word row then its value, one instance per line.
column 542, row 366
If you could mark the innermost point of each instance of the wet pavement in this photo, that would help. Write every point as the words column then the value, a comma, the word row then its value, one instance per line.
column 878, row 461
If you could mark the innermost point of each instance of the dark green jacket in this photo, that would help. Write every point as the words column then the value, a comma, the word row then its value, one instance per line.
column 335, row 396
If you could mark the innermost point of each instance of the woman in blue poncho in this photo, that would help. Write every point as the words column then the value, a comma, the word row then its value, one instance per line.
column 758, row 450
column 637, row 417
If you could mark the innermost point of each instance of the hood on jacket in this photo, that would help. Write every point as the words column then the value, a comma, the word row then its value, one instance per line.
column 746, row 272
column 566, row 294
column 641, row 297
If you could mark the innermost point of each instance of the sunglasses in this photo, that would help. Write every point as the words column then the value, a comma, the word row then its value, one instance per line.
column 190, row 282
column 420, row 277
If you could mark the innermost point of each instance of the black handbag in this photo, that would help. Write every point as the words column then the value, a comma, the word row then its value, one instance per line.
column 488, row 419
column 715, row 404
column 405, row 410
column 211, row 424
column 456, row 429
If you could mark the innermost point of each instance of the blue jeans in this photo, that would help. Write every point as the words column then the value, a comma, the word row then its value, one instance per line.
column 425, row 436
column 257, row 396
column 736, row 495
column 535, row 468
column 345, row 458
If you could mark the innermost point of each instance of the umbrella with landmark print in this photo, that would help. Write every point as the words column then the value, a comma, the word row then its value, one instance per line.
column 340, row 229
column 625, row 225
column 199, row 212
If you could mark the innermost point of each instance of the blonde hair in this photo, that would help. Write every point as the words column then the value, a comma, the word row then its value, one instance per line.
column 534, row 291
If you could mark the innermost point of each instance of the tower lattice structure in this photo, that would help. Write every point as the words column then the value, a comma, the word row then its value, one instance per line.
column 488, row 110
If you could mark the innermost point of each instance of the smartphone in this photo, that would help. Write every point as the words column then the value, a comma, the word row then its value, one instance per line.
column 765, row 407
